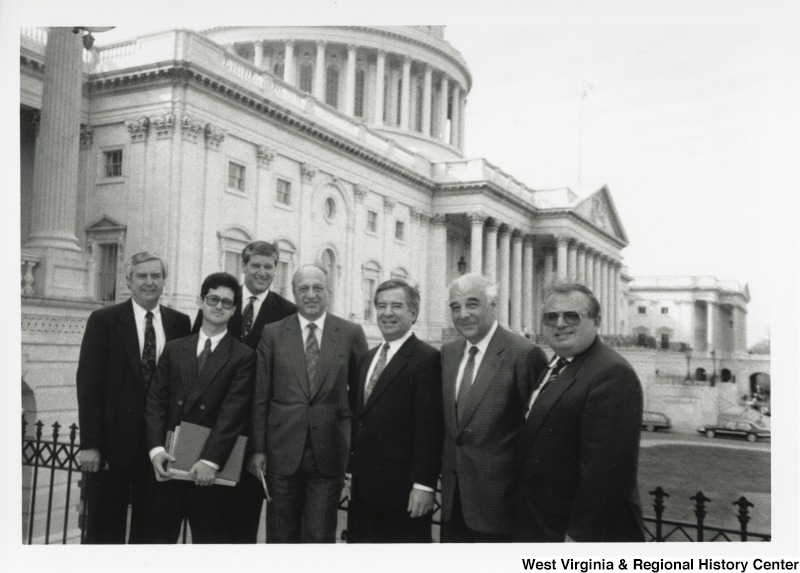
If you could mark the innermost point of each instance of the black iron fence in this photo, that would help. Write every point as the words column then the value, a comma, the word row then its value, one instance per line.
column 51, row 470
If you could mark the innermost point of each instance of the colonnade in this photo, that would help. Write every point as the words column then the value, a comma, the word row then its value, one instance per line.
column 509, row 257
column 414, row 95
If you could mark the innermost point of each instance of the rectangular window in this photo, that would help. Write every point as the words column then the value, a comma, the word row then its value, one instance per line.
column 665, row 341
column 233, row 263
column 400, row 231
column 372, row 221
column 664, row 310
column 107, row 273
column 112, row 161
column 236, row 174
column 284, row 192
column 642, row 310
column 369, row 288
column 281, row 274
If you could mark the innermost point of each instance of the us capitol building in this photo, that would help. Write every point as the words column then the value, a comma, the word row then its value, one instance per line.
column 343, row 145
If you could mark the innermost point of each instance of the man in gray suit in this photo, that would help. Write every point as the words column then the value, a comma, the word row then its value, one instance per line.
column 487, row 377
column 307, row 367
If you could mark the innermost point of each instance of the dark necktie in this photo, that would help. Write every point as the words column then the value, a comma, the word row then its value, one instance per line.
column 466, row 383
column 149, row 350
column 247, row 317
column 557, row 368
column 201, row 359
column 312, row 354
column 377, row 372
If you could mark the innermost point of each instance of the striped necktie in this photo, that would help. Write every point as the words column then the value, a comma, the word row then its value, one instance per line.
column 312, row 354
column 557, row 368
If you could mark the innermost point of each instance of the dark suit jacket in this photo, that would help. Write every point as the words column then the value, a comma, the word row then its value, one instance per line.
column 219, row 397
column 287, row 405
column 479, row 453
column 397, row 434
column 111, row 389
column 579, row 451
column 273, row 309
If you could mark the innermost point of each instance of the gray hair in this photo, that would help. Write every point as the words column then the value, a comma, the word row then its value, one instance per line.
column 317, row 266
column 489, row 287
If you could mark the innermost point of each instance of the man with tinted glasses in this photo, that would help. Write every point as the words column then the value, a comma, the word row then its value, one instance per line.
column 205, row 379
column 579, row 446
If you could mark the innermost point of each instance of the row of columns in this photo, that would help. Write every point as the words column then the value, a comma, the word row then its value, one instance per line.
column 442, row 100
column 506, row 256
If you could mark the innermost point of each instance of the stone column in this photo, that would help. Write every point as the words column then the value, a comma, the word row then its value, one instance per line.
column 55, row 168
column 427, row 80
column 580, row 273
column 350, row 81
column 405, row 96
column 476, row 221
column 444, row 91
column 288, row 62
column 505, row 274
column 606, row 302
column 549, row 271
column 515, row 310
column 527, row 284
column 462, row 115
column 598, row 287
column 380, row 84
column 561, row 260
column 455, row 100
column 711, row 325
column 258, row 54
column 319, row 72
column 490, row 265
column 437, row 272
column 572, row 261
column 588, row 278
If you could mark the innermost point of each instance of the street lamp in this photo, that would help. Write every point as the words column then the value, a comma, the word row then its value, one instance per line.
column 688, row 353
column 86, row 31
column 462, row 265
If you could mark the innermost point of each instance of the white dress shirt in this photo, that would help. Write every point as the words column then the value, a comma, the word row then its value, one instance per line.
column 140, row 316
column 320, row 322
column 482, row 346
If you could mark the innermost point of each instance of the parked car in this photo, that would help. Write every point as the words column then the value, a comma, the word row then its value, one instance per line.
column 736, row 429
column 652, row 421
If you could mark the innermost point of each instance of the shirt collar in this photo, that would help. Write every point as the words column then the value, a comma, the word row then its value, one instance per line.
column 394, row 345
column 319, row 321
column 141, row 313
column 246, row 294
column 214, row 339
column 483, row 344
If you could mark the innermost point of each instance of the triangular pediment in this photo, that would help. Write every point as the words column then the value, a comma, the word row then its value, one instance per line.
column 598, row 208
column 105, row 223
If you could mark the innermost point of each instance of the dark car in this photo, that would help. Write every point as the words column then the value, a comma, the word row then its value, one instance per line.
column 652, row 421
column 736, row 429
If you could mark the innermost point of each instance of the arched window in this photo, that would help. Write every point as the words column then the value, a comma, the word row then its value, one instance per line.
column 332, row 86
column 306, row 76
column 359, row 95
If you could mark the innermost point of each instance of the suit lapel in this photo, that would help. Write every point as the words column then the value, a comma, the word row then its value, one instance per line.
column 451, row 358
column 187, row 364
column 130, row 340
column 169, row 322
column 297, row 352
column 330, row 340
column 390, row 372
column 213, row 365
column 483, row 378
column 235, row 322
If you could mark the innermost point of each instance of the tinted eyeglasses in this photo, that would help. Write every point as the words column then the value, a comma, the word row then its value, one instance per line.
column 213, row 300
column 571, row 318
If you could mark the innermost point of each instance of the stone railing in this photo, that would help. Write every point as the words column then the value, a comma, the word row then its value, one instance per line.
column 481, row 170
column 28, row 263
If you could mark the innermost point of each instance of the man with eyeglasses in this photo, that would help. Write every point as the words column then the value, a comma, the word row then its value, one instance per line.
column 257, row 305
column 579, row 447
column 205, row 379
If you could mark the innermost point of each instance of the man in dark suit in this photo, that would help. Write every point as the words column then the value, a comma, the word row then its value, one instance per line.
column 256, row 307
column 205, row 379
column 396, row 448
column 119, row 352
column 579, row 447
column 487, row 377
column 307, row 365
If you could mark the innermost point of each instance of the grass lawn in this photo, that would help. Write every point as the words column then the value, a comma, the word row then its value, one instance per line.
column 722, row 474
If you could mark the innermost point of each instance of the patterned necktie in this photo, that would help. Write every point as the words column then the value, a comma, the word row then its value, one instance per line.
column 312, row 353
column 376, row 373
column 466, row 383
column 247, row 317
column 149, row 350
column 557, row 368
column 201, row 359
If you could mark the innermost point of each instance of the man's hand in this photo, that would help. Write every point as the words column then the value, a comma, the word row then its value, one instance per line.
column 202, row 474
column 419, row 502
column 160, row 461
column 89, row 460
column 348, row 484
column 257, row 464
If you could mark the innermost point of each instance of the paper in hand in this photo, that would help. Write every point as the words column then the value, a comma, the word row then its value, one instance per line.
column 264, row 485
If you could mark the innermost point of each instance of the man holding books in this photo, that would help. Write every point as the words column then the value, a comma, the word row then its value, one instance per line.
column 205, row 379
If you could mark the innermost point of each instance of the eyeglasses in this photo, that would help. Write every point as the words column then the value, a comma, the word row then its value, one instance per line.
column 214, row 300
column 571, row 318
